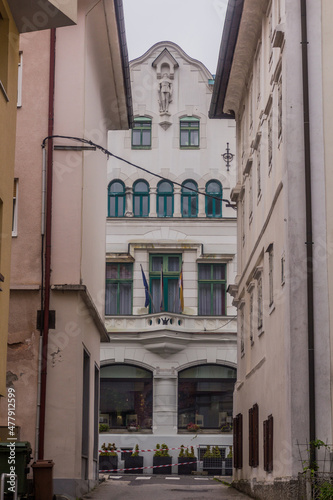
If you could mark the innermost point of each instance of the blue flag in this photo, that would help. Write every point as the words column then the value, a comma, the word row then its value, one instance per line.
column 145, row 284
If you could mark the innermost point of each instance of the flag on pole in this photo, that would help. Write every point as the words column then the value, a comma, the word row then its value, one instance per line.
column 181, row 290
column 162, row 291
column 145, row 284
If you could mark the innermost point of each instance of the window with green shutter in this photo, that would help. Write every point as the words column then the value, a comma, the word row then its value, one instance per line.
column 141, row 133
column 118, row 288
column 189, row 133
column 212, row 289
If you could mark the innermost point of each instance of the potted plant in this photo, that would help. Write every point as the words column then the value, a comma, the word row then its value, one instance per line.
column 133, row 460
column 191, row 427
column 212, row 461
column 228, row 463
column 108, row 458
column 103, row 427
column 162, row 457
column 187, row 459
column 133, row 427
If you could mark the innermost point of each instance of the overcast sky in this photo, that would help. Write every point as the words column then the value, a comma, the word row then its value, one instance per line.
column 195, row 25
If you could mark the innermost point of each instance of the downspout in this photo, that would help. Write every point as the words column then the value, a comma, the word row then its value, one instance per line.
column 45, row 318
column 309, row 242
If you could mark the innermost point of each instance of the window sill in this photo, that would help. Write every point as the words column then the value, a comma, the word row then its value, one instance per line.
column 261, row 332
column 271, row 308
column 189, row 147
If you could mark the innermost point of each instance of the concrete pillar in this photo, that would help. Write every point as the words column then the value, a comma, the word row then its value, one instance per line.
column 129, row 201
column 201, row 203
column 177, row 204
column 165, row 404
column 152, row 209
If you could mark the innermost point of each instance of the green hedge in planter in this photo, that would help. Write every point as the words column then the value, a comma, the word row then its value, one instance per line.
column 188, row 460
column 133, row 460
column 162, row 457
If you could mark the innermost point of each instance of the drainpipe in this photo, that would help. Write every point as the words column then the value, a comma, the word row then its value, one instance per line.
column 47, row 281
column 309, row 242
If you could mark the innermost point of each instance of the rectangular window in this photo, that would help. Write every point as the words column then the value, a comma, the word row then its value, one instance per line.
column 270, row 274
column 4, row 48
column 19, row 80
column 141, row 133
column 164, row 282
column 260, row 307
column 85, row 414
column 189, row 133
column 254, row 436
column 258, row 171
column 268, row 444
column 251, row 318
column 280, row 108
column 270, row 140
column 212, row 289
column 238, row 441
column 14, row 220
column 118, row 289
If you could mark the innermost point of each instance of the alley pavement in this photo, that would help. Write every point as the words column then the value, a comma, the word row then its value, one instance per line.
column 152, row 487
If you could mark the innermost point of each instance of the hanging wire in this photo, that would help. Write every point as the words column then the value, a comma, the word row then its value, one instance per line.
column 108, row 154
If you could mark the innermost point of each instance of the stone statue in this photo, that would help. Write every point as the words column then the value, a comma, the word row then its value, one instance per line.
column 165, row 93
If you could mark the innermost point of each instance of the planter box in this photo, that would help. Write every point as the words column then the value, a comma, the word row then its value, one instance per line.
column 133, row 462
column 108, row 463
column 213, row 466
column 162, row 461
column 188, row 467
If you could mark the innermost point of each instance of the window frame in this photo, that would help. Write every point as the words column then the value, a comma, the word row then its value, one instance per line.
column 167, row 275
column 214, row 200
column 189, row 196
column 204, row 394
column 143, row 123
column 164, row 196
column 4, row 50
column 138, row 198
column 117, row 195
column 254, row 436
column 118, row 281
column 238, row 441
column 213, row 282
column 189, row 128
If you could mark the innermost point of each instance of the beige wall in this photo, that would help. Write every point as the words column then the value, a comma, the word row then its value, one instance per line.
column 8, row 76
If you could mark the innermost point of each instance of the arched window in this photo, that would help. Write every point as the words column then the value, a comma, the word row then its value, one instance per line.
column 205, row 397
column 189, row 132
column 126, row 396
column 141, row 133
column 164, row 199
column 116, row 199
column 214, row 200
column 141, row 199
column 189, row 199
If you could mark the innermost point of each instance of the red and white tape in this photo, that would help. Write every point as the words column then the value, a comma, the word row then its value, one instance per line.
column 131, row 451
column 150, row 467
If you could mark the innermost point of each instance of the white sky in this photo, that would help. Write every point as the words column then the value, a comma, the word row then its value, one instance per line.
column 195, row 25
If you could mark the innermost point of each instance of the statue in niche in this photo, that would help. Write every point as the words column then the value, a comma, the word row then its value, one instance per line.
column 165, row 93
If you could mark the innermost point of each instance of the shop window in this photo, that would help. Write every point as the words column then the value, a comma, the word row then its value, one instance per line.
column 205, row 397
column 126, row 394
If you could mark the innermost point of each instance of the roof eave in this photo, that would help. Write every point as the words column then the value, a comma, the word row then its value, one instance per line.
column 225, row 60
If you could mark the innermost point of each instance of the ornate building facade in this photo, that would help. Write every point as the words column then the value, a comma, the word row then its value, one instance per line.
column 170, row 255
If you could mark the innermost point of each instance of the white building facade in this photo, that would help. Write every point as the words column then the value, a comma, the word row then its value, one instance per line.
column 282, row 395
column 171, row 360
